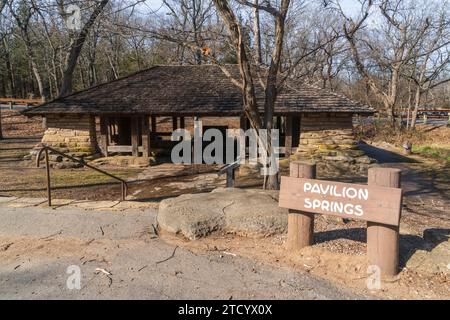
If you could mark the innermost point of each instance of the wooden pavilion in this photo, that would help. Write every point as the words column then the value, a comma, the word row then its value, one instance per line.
column 121, row 116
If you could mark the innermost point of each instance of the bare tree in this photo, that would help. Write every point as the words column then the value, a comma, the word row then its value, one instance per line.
column 22, row 14
column 2, row 5
column 430, row 68
column 189, row 19
column 75, row 49
column 247, row 81
column 257, row 32
column 386, row 50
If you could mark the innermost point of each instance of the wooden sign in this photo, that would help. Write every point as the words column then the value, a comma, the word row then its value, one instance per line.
column 369, row 203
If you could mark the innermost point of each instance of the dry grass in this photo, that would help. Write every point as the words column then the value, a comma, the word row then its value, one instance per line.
column 69, row 183
column 431, row 142
column 21, row 178
column 422, row 135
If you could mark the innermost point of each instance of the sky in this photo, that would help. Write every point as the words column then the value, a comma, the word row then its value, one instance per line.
column 349, row 6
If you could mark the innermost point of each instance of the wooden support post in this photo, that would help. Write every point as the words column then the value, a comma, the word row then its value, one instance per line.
column 146, row 137
column 182, row 123
column 383, row 240
column 153, row 127
column 104, row 123
column 174, row 123
column 134, row 137
column 10, row 105
column 243, row 123
column 197, row 152
column 154, row 119
column 1, row 132
column 288, row 137
column 301, row 224
column 278, row 118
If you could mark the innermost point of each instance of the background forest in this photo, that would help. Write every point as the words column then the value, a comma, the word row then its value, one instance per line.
column 391, row 54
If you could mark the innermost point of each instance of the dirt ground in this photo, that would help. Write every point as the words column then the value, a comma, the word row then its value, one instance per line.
column 340, row 247
column 348, row 269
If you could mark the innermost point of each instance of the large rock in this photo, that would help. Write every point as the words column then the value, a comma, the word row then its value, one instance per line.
column 437, row 258
column 253, row 213
column 437, row 236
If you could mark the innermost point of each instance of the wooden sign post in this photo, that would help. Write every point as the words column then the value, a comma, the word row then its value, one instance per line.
column 382, row 239
column 301, row 223
column 379, row 203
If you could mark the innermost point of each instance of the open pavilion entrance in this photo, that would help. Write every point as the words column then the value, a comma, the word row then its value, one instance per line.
column 138, row 135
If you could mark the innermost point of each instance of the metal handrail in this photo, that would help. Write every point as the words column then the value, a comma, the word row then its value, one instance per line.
column 229, row 169
column 124, row 185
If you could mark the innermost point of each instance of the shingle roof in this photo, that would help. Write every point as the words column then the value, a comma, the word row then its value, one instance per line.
column 189, row 90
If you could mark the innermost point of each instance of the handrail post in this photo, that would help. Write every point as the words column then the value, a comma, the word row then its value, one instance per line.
column 124, row 190
column 124, row 186
column 47, row 167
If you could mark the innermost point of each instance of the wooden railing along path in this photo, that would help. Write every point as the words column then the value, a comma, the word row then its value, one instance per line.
column 20, row 102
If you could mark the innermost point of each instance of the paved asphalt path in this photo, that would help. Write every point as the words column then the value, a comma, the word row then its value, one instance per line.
column 37, row 245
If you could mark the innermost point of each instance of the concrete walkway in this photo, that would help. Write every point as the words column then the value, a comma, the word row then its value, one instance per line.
column 58, row 204
column 120, row 256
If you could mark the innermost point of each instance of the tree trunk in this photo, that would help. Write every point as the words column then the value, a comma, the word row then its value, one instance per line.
column 257, row 32
column 72, row 58
column 416, row 107
column 248, row 88
column 272, row 85
column 41, row 87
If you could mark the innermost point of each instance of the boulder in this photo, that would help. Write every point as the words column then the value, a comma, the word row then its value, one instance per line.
column 364, row 160
column 66, row 165
column 437, row 236
column 245, row 212
column 55, row 158
column 433, row 262
column 436, row 258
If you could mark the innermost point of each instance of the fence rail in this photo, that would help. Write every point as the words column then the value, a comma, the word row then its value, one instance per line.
column 22, row 102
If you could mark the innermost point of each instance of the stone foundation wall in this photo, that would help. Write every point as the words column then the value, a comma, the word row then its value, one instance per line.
column 329, row 137
column 73, row 134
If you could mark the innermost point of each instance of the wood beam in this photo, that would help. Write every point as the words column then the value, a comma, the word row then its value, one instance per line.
column 288, row 136
column 146, row 137
column 123, row 149
column 104, row 123
column 134, row 136
column 182, row 123
column 154, row 119
column 1, row 133
column 174, row 123
column 243, row 123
